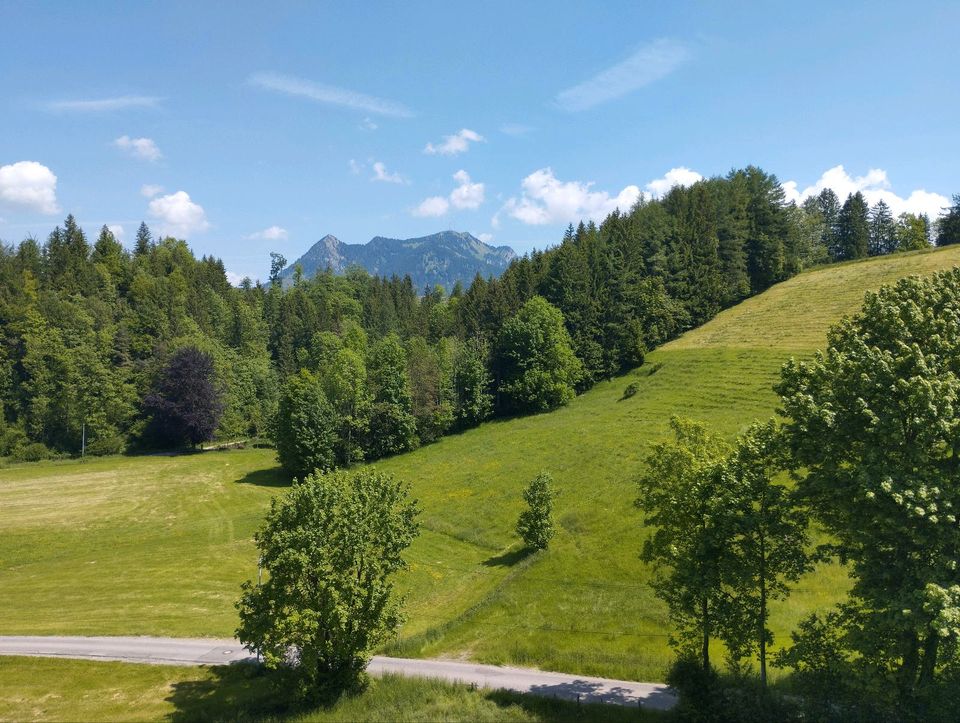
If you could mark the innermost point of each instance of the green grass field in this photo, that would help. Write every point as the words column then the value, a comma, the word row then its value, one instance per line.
column 159, row 545
column 61, row 690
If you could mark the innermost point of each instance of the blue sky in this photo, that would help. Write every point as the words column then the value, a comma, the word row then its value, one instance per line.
column 248, row 128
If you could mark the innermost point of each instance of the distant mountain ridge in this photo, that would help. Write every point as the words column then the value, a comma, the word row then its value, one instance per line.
column 442, row 258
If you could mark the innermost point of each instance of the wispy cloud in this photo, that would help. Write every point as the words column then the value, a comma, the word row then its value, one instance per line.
column 455, row 144
column 515, row 129
column 649, row 64
column 103, row 105
column 329, row 94
column 143, row 148
column 273, row 233
column 380, row 173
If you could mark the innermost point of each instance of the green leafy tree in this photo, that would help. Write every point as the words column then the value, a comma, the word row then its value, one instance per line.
column 471, row 384
column 948, row 227
column 393, row 428
column 305, row 430
column 686, row 502
column 535, row 525
column 913, row 232
column 769, row 544
column 330, row 547
column 538, row 366
column 873, row 423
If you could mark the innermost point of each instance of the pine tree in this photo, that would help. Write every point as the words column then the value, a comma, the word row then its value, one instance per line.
column 853, row 228
column 883, row 236
column 948, row 227
column 829, row 206
column 144, row 241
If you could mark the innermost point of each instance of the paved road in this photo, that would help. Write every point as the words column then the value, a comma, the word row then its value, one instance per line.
column 194, row 651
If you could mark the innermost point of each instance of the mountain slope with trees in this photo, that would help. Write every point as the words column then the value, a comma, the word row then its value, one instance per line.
column 170, row 537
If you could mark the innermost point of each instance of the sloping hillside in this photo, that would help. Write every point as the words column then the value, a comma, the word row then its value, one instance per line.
column 160, row 545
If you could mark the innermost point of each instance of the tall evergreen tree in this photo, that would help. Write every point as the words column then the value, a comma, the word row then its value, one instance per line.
column 853, row 228
column 883, row 230
column 948, row 227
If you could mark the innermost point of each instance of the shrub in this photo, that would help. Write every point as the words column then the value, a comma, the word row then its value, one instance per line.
column 33, row 452
column 631, row 389
column 10, row 439
column 535, row 525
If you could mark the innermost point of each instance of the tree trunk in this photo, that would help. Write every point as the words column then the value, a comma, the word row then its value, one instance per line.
column 763, row 613
column 911, row 660
column 705, row 651
column 930, row 648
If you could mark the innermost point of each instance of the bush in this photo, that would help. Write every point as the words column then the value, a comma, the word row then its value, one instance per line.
column 33, row 452
column 631, row 390
column 535, row 525
column 113, row 444
column 10, row 439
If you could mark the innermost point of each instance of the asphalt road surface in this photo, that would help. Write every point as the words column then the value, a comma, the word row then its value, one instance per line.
column 197, row 651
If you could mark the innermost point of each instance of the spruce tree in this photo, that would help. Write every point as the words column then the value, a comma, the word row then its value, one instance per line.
column 854, row 228
column 948, row 227
column 144, row 241
column 883, row 235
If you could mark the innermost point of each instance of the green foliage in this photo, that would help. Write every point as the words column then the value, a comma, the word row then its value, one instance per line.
column 948, row 227
column 535, row 524
column 873, row 422
column 331, row 547
column 471, row 384
column 768, row 548
column 685, row 502
column 32, row 452
column 393, row 427
column 630, row 390
column 539, row 368
column 305, row 431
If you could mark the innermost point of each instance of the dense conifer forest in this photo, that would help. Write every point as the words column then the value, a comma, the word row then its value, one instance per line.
column 114, row 350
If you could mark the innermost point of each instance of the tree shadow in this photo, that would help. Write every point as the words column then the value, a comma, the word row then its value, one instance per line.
column 588, row 692
column 228, row 692
column 273, row 477
column 509, row 558
column 547, row 706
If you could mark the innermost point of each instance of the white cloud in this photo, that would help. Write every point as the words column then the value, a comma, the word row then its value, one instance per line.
column 179, row 215
column 380, row 173
column 433, row 206
column 875, row 186
column 273, row 233
column 149, row 190
column 485, row 237
column 329, row 94
column 368, row 125
column 459, row 142
column 29, row 185
column 143, row 148
column 467, row 194
column 100, row 105
column 649, row 64
column 116, row 229
column 355, row 168
column 547, row 200
column 235, row 279
column 681, row 176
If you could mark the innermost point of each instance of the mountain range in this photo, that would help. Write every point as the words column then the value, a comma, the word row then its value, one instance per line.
column 442, row 258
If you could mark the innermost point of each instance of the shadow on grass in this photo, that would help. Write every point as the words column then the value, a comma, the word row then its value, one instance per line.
column 509, row 558
column 544, row 705
column 229, row 692
column 273, row 477
column 247, row 693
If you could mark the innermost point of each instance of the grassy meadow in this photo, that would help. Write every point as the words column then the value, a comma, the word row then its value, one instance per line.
column 56, row 690
column 159, row 545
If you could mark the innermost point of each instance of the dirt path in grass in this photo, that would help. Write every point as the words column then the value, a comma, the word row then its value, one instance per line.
column 197, row 651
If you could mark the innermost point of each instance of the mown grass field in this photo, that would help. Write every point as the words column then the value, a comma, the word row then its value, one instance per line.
column 74, row 690
column 159, row 545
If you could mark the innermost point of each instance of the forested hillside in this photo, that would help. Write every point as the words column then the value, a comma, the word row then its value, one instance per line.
column 93, row 333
